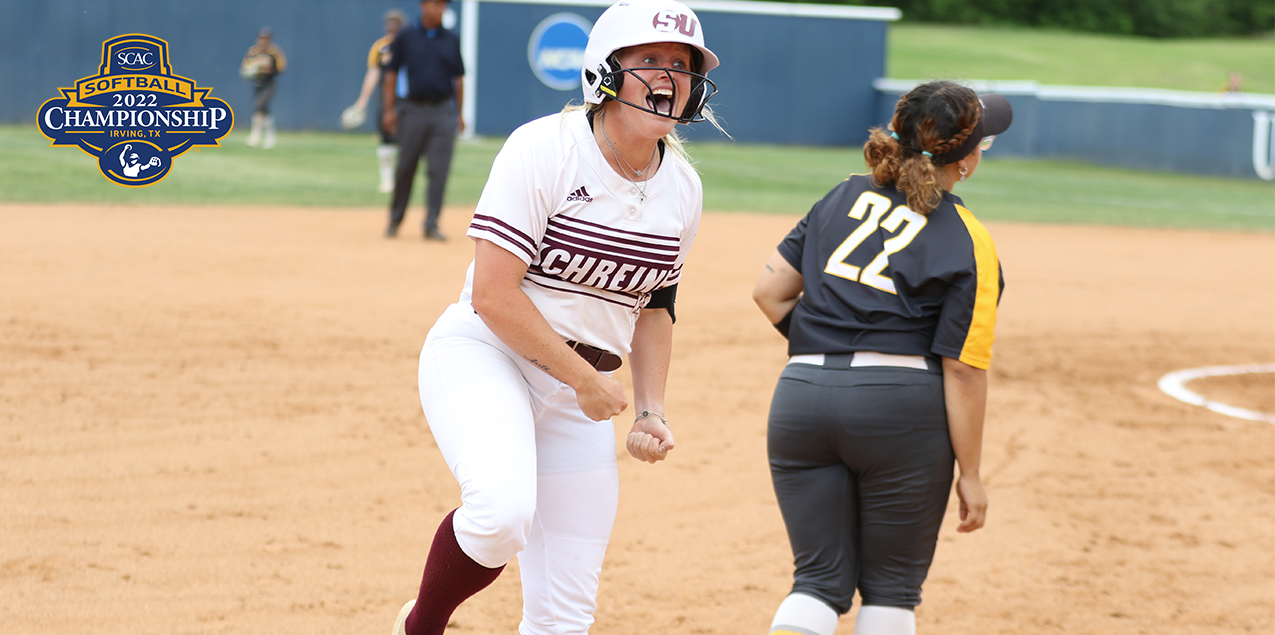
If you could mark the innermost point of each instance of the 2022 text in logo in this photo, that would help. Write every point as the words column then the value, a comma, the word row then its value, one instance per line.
column 135, row 115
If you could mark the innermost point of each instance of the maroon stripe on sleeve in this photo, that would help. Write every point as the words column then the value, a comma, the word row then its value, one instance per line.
column 496, row 232
column 510, row 228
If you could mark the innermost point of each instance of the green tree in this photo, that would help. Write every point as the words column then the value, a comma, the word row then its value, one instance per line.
column 1153, row 18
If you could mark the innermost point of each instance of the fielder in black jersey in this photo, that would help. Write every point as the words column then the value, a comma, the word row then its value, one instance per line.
column 887, row 292
column 937, row 299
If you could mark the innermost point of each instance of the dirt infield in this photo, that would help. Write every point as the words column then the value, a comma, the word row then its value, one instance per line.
column 209, row 423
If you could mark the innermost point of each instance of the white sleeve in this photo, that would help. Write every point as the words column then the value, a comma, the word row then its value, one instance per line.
column 512, row 210
column 692, row 206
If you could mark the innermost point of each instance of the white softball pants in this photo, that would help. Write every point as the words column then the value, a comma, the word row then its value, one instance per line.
column 538, row 478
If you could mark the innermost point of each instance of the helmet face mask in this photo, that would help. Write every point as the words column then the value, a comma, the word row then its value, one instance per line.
column 662, row 103
column 637, row 22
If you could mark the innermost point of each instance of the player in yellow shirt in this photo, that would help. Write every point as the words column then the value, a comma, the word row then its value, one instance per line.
column 387, row 149
column 263, row 61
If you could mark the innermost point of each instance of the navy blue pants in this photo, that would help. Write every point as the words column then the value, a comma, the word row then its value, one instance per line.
column 862, row 466
column 429, row 130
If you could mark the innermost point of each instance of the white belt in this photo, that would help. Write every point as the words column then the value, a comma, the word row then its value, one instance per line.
column 866, row 358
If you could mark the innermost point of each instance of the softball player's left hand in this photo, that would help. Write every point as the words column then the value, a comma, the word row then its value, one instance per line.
column 969, row 489
column 649, row 440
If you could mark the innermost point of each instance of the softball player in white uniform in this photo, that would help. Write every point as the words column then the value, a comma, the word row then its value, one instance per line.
column 580, row 233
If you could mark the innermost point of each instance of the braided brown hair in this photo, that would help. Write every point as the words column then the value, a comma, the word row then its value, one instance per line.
column 929, row 121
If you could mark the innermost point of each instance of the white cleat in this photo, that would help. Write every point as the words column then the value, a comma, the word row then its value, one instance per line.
column 400, row 624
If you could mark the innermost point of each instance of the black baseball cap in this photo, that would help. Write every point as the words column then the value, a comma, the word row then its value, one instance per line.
column 994, row 119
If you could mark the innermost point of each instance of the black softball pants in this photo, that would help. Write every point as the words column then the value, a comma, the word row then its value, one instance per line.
column 262, row 95
column 862, row 463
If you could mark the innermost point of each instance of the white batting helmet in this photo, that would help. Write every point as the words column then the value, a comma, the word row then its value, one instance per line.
column 635, row 22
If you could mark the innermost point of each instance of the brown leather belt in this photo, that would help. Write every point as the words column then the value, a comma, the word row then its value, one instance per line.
column 604, row 361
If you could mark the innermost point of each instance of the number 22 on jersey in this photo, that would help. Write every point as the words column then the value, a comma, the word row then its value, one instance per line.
column 875, row 207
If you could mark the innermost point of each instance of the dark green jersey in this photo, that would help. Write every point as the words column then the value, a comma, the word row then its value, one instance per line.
column 880, row 277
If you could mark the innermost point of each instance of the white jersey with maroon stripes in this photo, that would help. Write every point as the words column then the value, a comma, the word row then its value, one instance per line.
column 596, row 245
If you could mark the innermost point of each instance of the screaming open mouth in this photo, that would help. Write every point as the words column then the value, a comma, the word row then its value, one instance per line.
column 661, row 100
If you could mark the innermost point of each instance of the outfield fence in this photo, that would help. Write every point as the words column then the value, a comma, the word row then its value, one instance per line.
column 523, row 59
column 1226, row 134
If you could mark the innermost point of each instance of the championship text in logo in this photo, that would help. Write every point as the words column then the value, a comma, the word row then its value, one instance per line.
column 135, row 115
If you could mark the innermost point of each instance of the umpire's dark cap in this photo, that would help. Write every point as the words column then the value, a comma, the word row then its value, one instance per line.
column 994, row 119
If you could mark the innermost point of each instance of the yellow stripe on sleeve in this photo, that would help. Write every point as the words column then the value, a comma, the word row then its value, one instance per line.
column 977, row 350
column 374, row 55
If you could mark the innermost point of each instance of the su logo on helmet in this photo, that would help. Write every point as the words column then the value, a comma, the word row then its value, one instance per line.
column 666, row 20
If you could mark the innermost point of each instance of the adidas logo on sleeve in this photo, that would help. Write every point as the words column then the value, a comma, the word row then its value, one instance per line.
column 580, row 195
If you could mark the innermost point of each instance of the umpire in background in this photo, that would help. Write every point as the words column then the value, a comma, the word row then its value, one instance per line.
column 421, row 111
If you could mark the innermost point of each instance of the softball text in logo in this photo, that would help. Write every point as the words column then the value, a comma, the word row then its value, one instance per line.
column 135, row 115
column 556, row 50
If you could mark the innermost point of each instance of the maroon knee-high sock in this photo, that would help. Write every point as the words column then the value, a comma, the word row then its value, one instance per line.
column 451, row 577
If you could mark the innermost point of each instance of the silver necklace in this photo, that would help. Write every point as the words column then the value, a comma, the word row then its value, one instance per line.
column 625, row 164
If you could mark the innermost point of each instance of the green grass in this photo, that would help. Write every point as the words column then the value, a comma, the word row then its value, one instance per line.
column 314, row 169
column 743, row 177
column 339, row 170
column 1067, row 192
column 917, row 51
column 305, row 169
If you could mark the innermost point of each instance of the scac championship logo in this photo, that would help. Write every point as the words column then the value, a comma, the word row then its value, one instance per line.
column 135, row 115
column 556, row 50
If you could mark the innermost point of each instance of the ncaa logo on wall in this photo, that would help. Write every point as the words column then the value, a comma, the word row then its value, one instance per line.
column 556, row 50
column 135, row 115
